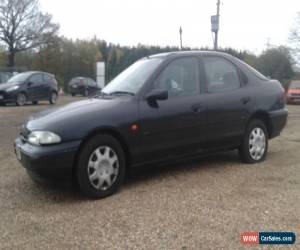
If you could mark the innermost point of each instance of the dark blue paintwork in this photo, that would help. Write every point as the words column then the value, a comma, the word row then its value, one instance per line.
column 167, row 129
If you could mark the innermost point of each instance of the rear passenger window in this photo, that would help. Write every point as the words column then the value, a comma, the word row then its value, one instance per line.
column 48, row 78
column 221, row 74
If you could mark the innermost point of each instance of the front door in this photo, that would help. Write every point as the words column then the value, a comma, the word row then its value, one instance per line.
column 174, row 127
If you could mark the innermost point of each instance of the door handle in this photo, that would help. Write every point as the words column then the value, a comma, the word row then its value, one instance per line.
column 246, row 99
column 197, row 107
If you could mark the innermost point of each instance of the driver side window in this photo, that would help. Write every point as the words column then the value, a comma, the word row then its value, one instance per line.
column 180, row 77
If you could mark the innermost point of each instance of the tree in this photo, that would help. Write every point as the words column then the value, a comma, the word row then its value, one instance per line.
column 23, row 26
column 295, row 40
column 276, row 63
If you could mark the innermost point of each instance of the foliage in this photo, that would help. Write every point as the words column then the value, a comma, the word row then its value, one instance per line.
column 295, row 40
column 67, row 58
column 276, row 63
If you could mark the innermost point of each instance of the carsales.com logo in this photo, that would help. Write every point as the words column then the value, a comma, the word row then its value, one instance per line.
column 278, row 238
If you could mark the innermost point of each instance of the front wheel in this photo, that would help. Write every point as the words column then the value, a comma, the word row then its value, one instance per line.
column 254, row 147
column 53, row 98
column 101, row 167
column 21, row 99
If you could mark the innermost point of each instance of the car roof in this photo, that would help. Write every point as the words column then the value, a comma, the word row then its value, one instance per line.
column 35, row 72
column 190, row 53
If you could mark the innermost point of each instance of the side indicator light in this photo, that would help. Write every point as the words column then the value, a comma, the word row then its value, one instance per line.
column 134, row 127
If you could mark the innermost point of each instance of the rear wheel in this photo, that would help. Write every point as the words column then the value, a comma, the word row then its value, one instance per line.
column 35, row 102
column 254, row 147
column 53, row 98
column 21, row 99
column 101, row 167
column 73, row 94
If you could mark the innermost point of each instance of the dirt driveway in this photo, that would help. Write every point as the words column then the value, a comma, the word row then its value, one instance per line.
column 201, row 204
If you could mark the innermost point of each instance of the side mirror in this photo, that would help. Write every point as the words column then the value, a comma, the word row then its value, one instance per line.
column 157, row 94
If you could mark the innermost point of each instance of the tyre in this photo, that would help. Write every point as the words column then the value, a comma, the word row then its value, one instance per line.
column 73, row 94
column 21, row 99
column 35, row 102
column 254, row 147
column 53, row 98
column 101, row 167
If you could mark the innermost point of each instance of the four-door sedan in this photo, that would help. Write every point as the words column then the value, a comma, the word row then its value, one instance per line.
column 30, row 86
column 163, row 107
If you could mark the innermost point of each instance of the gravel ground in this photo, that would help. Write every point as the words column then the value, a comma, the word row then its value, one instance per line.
column 201, row 204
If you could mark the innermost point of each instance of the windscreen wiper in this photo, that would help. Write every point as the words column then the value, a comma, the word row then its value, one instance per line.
column 121, row 93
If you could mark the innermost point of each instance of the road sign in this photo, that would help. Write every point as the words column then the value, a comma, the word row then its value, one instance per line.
column 214, row 23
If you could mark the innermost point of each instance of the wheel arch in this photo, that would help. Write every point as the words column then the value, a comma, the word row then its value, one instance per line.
column 265, row 118
column 105, row 131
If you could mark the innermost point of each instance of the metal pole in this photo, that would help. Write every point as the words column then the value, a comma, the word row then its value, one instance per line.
column 217, row 31
column 180, row 34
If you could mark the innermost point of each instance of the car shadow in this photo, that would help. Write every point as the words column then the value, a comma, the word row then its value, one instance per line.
column 69, row 193
column 11, row 105
column 215, row 161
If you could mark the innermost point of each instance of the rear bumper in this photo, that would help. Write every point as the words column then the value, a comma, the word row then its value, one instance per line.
column 293, row 100
column 278, row 120
column 48, row 162
column 78, row 91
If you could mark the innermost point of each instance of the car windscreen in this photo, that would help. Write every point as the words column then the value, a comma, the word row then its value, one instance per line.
column 19, row 78
column 134, row 77
column 295, row 85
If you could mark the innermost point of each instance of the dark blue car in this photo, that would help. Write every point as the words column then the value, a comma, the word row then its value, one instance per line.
column 163, row 107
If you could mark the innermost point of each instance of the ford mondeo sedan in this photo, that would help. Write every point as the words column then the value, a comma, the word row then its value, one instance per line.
column 163, row 107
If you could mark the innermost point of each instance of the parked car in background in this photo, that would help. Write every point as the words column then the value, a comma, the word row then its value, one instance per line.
column 32, row 86
column 293, row 92
column 83, row 86
column 4, row 76
column 163, row 107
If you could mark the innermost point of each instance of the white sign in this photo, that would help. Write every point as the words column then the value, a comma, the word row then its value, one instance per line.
column 100, row 68
column 214, row 23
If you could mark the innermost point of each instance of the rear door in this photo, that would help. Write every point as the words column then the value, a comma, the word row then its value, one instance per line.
column 35, row 86
column 47, row 85
column 228, row 102
column 174, row 127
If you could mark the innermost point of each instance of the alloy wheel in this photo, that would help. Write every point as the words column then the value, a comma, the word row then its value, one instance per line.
column 53, row 98
column 103, row 168
column 21, row 99
column 257, row 143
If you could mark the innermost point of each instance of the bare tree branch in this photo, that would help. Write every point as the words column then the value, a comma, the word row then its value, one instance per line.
column 23, row 26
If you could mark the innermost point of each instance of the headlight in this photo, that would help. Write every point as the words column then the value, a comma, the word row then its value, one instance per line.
column 43, row 138
column 12, row 88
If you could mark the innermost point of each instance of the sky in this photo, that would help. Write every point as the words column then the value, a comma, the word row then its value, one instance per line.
column 244, row 24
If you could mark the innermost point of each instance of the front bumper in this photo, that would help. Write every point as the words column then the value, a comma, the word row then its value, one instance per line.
column 53, row 162
column 7, row 97
column 278, row 120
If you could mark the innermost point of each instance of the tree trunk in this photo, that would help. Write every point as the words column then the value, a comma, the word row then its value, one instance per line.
column 11, row 59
